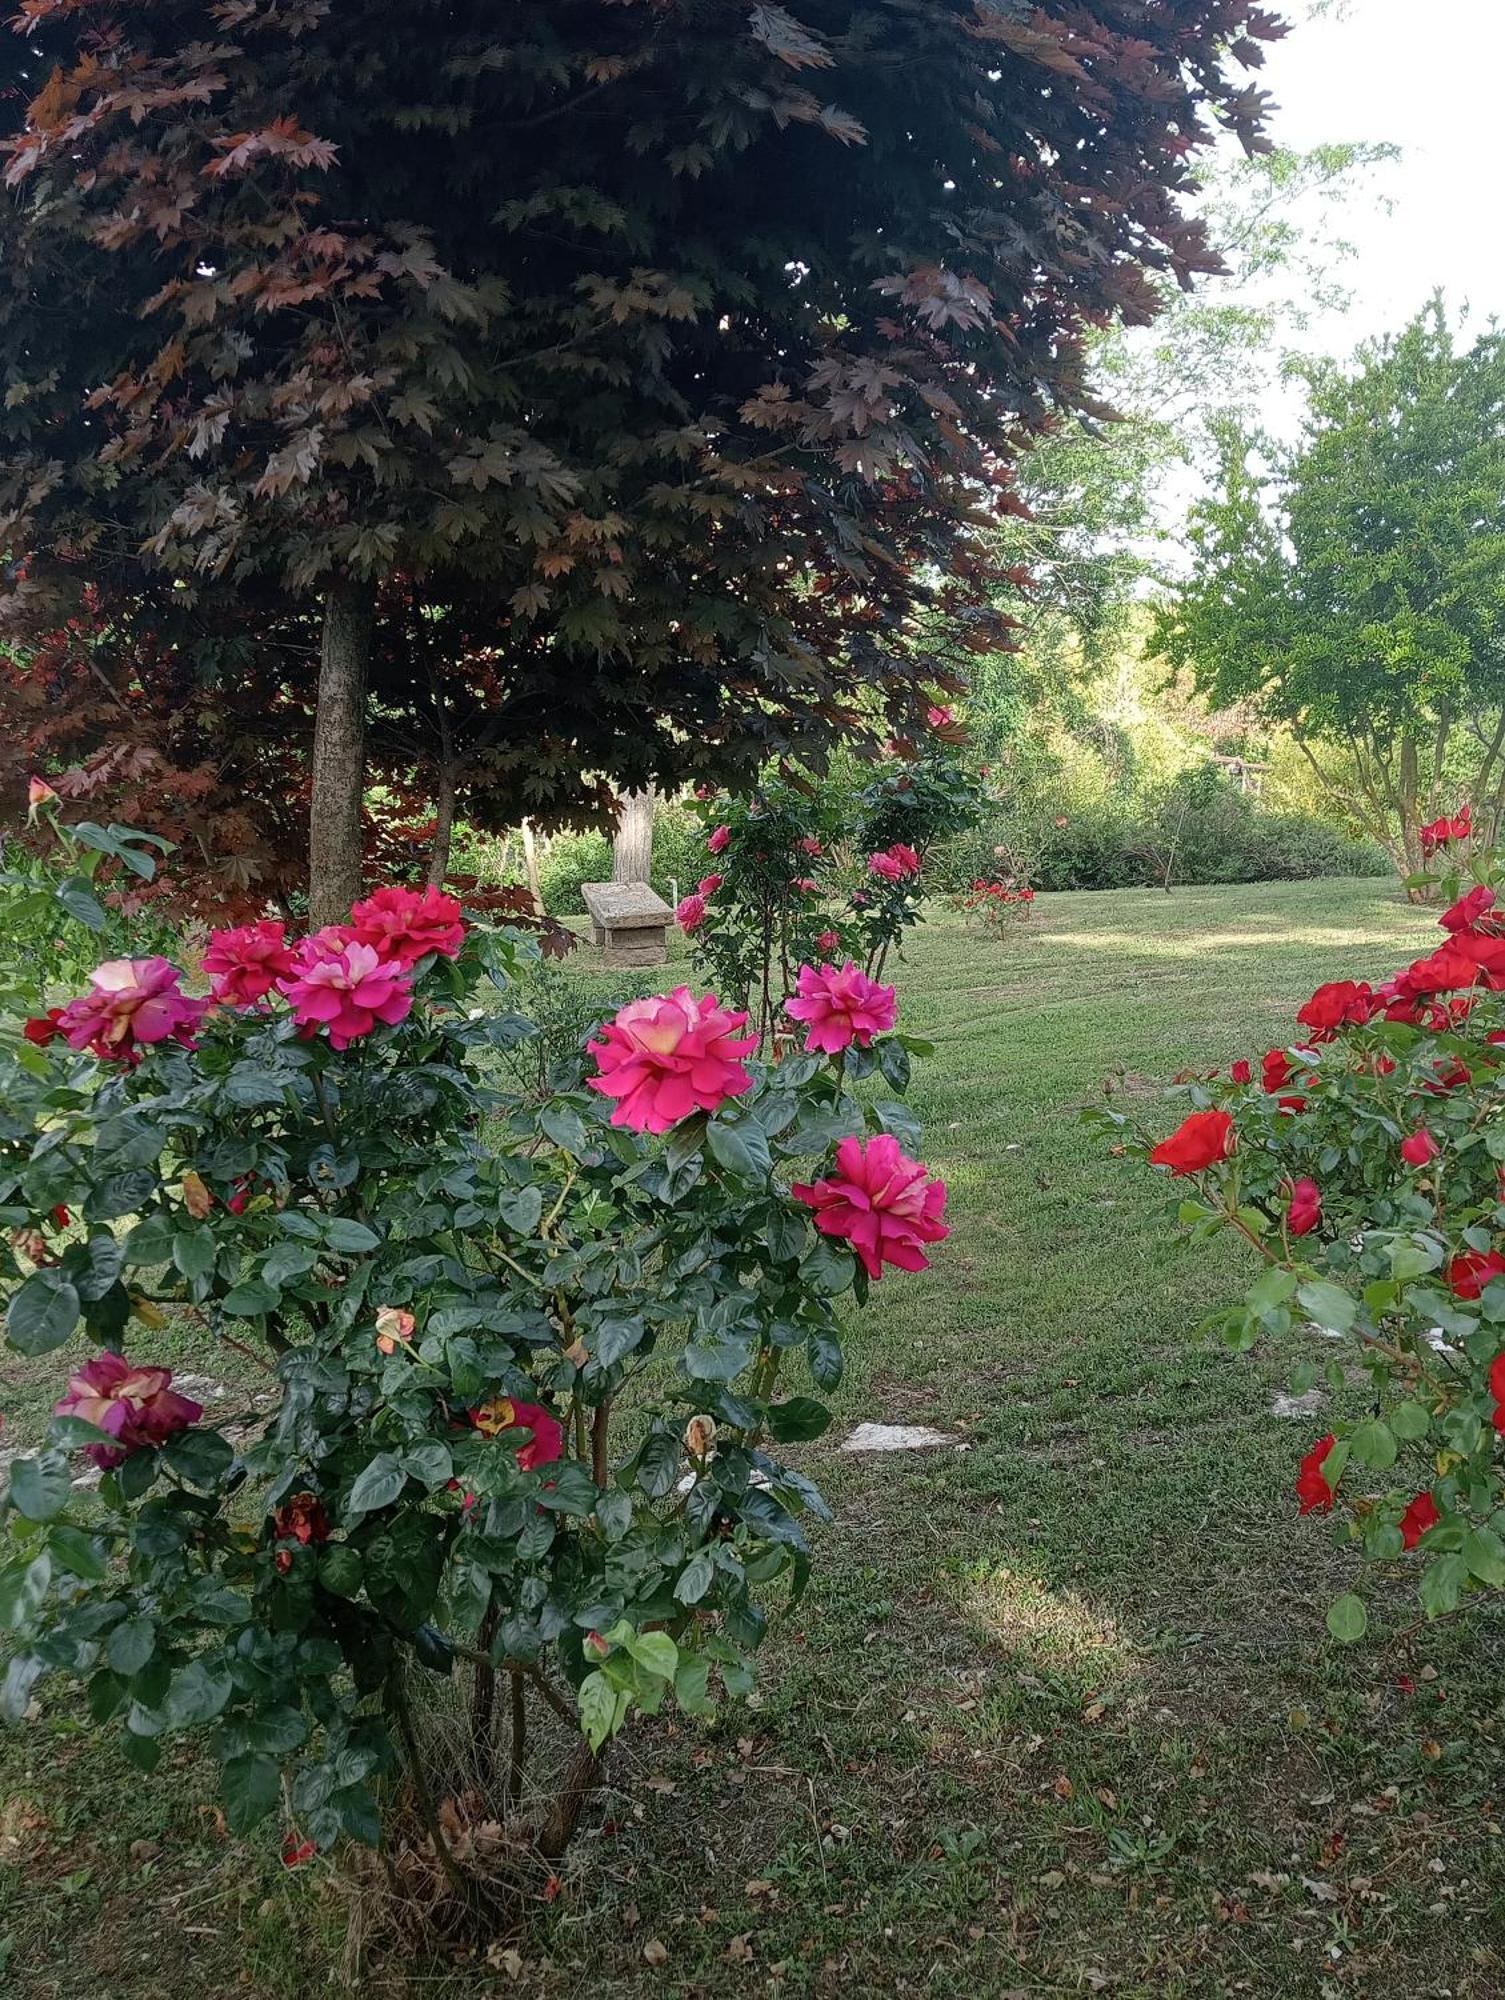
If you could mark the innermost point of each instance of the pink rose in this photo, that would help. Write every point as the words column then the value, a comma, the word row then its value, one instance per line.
column 38, row 794
column 407, row 924
column 841, row 1007
column 135, row 1001
column 665, row 1057
column 344, row 986
column 811, row 846
column 882, row 1203
column 719, row 839
column 709, row 884
column 245, row 964
column 690, row 914
column 136, row 1406
column 894, row 863
column 939, row 718
column 807, row 884
column 393, row 1326
column 829, row 941
column 503, row 1414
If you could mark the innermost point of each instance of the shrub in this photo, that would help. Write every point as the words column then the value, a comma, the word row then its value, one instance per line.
column 1364, row 1165
column 527, row 1363
column 1198, row 828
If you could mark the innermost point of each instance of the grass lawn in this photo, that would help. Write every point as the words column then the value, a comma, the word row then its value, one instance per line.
column 1059, row 1714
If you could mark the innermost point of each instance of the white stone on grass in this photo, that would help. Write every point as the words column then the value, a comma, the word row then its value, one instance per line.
column 901, row 1437
column 1297, row 1406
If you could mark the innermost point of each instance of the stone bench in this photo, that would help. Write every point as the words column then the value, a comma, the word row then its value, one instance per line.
column 629, row 921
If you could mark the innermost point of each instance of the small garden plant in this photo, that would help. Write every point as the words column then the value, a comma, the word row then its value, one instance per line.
column 529, row 1356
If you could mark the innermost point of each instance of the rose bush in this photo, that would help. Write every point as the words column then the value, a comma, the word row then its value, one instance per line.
column 1364, row 1164
column 822, row 870
column 527, row 1357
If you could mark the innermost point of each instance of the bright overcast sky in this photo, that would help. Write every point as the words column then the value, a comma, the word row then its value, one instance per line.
column 1426, row 75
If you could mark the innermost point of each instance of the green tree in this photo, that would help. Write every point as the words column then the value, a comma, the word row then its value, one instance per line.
column 675, row 351
column 1354, row 583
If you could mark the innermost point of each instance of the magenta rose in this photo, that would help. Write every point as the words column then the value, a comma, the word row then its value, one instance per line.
column 407, row 924
column 132, row 1003
column 665, row 1057
column 895, row 863
column 344, row 986
column 135, row 1406
column 690, row 914
column 884, row 1204
column 245, row 964
column 840, row 1007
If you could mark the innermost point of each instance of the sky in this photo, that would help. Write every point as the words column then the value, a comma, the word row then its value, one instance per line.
column 1425, row 75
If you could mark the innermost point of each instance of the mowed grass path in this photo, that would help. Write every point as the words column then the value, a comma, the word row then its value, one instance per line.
column 1059, row 1713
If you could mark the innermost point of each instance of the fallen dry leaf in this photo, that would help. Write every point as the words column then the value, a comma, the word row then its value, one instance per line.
column 656, row 1953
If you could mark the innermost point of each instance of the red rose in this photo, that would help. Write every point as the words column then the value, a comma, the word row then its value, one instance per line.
column 1304, row 1208
column 43, row 1028
column 1242, row 1071
column 1418, row 1517
column 1419, row 1147
column 1336, row 1004
column 1444, row 971
column 1312, row 1490
column 1471, row 1270
column 1469, row 909
column 1199, row 1142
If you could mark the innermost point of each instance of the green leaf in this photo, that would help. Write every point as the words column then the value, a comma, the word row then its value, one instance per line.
column 1484, row 1553
column 80, row 1554
column 251, row 1300
column 828, row 1269
column 691, row 1682
column 250, row 1787
column 195, row 1695
column 194, row 1251
column 348, row 1237
column 202, row 1457
column 341, row 1569
column 1372, row 1444
column 1441, row 1584
column 655, row 1652
column 79, row 900
column 1271, row 1290
column 603, row 1709
column 1328, row 1304
column 131, row 1645
column 696, row 1578
column 39, row 1487
column 566, row 1128
column 742, row 1148
column 1347, row 1618
column 377, row 1484
column 1410, row 1421
column 23, row 1591
column 42, row 1314
column 429, row 1463
column 825, row 1358
column 798, row 1419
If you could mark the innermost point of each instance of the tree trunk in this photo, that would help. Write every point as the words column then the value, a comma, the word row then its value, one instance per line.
column 339, row 759
column 444, row 829
column 632, row 850
column 530, row 863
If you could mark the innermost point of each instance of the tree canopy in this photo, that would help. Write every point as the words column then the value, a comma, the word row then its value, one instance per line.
column 1355, row 584
column 659, row 361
